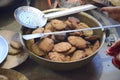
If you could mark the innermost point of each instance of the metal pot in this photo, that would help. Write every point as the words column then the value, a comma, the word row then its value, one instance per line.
column 84, row 17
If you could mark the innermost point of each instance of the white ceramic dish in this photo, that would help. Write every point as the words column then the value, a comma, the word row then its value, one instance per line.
column 3, row 49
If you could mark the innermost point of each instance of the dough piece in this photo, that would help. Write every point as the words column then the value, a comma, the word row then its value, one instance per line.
column 62, row 47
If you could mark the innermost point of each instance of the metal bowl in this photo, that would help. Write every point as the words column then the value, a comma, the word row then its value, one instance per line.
column 84, row 17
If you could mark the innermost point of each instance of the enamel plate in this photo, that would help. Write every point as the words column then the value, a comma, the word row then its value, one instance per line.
column 11, row 61
column 3, row 49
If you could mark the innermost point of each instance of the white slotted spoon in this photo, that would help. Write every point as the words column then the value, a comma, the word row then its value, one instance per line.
column 32, row 17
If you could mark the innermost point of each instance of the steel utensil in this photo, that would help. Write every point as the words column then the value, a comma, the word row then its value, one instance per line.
column 32, row 17
column 31, row 36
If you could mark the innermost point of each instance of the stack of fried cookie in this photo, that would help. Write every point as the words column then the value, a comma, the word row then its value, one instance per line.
column 15, row 47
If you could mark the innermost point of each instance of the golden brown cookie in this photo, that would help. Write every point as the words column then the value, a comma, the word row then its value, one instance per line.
column 38, row 30
column 96, row 45
column 49, row 27
column 75, row 25
column 35, row 49
column 80, row 33
column 29, row 43
column 69, row 25
column 86, row 32
column 13, row 51
column 58, row 24
column 92, row 38
column 77, row 55
column 46, row 44
column 70, row 51
column 62, row 47
column 16, row 44
column 73, row 19
column 78, row 42
column 46, row 31
column 88, row 51
column 57, row 57
column 67, row 58
column 61, row 37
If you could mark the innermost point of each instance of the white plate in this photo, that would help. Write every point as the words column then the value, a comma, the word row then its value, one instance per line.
column 12, row 60
column 3, row 49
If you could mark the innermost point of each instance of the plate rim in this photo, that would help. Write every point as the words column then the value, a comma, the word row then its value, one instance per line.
column 6, row 50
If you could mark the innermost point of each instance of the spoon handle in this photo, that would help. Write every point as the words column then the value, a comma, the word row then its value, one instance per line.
column 31, row 36
column 28, row 2
column 70, row 11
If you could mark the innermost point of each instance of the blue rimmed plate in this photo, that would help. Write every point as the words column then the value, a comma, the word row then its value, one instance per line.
column 3, row 49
